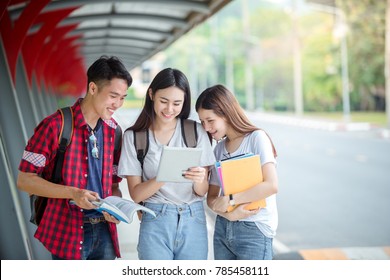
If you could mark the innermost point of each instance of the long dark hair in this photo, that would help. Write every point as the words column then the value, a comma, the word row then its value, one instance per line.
column 167, row 77
column 225, row 105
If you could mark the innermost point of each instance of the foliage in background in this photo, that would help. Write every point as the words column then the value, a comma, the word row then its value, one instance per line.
column 216, row 52
column 320, row 60
column 366, row 21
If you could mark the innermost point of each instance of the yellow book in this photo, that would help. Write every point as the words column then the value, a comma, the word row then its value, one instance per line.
column 239, row 174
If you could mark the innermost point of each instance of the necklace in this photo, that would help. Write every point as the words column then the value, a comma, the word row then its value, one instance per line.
column 93, row 140
column 231, row 145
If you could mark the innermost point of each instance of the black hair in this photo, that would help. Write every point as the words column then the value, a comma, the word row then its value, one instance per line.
column 167, row 77
column 107, row 68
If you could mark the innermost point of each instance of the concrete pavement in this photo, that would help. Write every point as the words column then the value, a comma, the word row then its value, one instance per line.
column 353, row 253
column 320, row 124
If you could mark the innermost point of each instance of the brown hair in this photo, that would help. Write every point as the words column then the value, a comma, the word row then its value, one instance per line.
column 224, row 104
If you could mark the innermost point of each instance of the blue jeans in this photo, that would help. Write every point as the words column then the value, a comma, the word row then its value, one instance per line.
column 240, row 240
column 97, row 244
column 178, row 232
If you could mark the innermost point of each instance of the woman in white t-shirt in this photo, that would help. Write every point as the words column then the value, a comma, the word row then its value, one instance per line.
column 240, row 234
column 179, row 231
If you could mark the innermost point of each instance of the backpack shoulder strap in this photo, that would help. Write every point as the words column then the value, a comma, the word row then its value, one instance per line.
column 66, row 132
column 64, row 139
column 189, row 132
column 118, row 138
column 141, row 144
column 141, row 139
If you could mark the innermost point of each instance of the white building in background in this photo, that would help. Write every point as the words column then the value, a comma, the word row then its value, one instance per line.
column 143, row 75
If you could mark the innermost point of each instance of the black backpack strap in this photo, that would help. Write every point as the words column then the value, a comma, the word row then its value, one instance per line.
column 141, row 144
column 189, row 132
column 141, row 139
column 38, row 203
column 64, row 139
column 118, row 138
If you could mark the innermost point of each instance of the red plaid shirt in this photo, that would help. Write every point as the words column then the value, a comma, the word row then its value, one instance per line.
column 61, row 228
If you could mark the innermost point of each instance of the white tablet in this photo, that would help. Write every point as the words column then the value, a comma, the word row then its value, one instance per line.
column 174, row 161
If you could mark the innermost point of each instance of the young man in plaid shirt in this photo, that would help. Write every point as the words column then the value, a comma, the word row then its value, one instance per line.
column 76, row 231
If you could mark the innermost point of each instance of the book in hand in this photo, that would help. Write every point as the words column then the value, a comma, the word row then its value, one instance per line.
column 122, row 209
column 238, row 174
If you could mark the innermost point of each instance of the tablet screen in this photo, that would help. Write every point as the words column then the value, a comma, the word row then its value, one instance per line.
column 174, row 161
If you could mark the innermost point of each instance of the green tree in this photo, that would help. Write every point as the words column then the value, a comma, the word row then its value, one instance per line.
column 366, row 38
column 321, row 60
column 210, row 51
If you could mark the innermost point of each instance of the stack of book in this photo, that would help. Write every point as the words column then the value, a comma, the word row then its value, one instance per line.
column 238, row 174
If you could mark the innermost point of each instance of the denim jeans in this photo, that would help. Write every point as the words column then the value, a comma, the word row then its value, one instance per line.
column 240, row 240
column 97, row 244
column 178, row 232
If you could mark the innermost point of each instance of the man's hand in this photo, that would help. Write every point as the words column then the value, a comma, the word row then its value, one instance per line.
column 83, row 198
column 110, row 218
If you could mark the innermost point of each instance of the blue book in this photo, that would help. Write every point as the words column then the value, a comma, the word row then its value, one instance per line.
column 122, row 209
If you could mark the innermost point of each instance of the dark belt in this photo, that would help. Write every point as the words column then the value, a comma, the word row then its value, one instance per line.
column 94, row 220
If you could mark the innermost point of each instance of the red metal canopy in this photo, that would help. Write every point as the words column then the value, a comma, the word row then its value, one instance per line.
column 57, row 39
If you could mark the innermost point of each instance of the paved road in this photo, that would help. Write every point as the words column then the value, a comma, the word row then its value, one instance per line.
column 334, row 190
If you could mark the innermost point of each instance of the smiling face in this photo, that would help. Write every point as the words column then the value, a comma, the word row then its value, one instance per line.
column 215, row 125
column 108, row 97
column 167, row 103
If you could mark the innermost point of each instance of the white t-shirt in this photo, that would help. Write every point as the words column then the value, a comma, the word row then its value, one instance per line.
column 256, row 142
column 170, row 193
